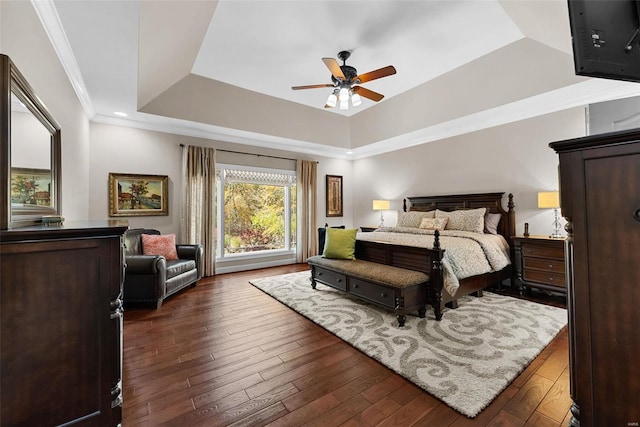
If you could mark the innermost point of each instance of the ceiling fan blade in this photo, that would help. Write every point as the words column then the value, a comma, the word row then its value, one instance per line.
column 376, row 74
column 334, row 67
column 374, row 96
column 310, row 86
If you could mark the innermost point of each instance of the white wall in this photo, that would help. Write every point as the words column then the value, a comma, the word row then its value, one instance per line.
column 24, row 40
column 127, row 150
column 514, row 158
column 119, row 149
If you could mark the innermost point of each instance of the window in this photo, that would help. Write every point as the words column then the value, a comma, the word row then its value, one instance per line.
column 256, row 210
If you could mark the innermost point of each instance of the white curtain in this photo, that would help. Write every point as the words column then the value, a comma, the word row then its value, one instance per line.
column 199, row 202
column 307, row 184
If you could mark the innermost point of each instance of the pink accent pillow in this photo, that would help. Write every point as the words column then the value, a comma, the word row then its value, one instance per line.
column 164, row 245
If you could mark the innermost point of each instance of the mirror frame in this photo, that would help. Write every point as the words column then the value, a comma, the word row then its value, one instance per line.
column 12, row 81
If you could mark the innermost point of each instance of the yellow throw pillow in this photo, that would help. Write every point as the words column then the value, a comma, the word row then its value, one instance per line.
column 340, row 243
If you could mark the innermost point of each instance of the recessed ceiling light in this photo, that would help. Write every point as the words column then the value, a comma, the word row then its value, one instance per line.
column 349, row 152
column 120, row 113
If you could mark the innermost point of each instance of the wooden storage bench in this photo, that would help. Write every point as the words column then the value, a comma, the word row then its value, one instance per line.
column 390, row 287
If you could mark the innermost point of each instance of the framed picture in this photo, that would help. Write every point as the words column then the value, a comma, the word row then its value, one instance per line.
column 30, row 187
column 138, row 195
column 334, row 195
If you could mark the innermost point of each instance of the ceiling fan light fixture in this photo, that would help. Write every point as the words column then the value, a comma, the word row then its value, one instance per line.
column 355, row 99
column 344, row 77
column 332, row 100
column 344, row 95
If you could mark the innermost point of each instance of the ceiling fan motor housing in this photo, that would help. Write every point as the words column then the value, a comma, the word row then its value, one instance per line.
column 349, row 72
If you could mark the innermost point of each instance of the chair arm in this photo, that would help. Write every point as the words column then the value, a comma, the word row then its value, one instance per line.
column 193, row 252
column 145, row 264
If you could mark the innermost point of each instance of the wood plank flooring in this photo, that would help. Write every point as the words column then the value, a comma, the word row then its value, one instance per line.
column 224, row 353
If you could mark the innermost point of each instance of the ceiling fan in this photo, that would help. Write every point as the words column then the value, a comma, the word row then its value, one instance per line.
column 345, row 79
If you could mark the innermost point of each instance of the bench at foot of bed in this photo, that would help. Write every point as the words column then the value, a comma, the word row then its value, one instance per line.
column 399, row 289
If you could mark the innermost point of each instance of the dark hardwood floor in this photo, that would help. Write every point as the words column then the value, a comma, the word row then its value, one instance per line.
column 225, row 353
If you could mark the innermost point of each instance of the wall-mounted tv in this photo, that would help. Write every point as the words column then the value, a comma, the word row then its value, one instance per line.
column 605, row 37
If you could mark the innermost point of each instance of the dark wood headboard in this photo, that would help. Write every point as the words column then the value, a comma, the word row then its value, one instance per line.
column 491, row 201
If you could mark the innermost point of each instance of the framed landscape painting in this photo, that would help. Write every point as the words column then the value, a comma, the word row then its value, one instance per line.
column 334, row 195
column 30, row 187
column 138, row 195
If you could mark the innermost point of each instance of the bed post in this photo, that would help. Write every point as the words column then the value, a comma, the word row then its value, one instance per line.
column 436, row 276
column 404, row 205
column 511, row 215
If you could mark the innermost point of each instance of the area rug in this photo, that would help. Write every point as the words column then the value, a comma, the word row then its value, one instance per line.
column 465, row 360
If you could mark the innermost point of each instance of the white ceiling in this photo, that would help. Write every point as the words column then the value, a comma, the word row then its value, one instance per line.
column 129, row 56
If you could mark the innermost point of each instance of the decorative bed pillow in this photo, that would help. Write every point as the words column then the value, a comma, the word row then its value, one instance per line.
column 491, row 221
column 433, row 223
column 164, row 244
column 464, row 220
column 340, row 243
column 413, row 218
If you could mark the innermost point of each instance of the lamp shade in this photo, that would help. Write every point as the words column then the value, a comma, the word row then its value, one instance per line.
column 548, row 199
column 380, row 205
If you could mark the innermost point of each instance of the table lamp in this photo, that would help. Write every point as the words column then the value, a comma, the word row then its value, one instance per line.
column 551, row 200
column 381, row 205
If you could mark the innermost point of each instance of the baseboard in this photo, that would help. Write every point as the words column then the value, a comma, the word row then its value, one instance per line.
column 254, row 266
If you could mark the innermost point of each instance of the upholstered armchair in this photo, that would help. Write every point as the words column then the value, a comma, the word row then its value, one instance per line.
column 151, row 278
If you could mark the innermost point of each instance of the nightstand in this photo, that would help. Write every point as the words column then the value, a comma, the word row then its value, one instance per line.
column 540, row 263
column 368, row 229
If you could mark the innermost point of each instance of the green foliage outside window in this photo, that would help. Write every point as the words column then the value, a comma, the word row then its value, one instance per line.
column 254, row 217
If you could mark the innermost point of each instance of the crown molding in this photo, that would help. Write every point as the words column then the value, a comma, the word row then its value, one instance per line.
column 46, row 11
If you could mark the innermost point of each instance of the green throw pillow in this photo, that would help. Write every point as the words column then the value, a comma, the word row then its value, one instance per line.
column 340, row 243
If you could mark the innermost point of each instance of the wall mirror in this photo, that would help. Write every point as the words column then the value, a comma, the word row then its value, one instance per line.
column 31, row 150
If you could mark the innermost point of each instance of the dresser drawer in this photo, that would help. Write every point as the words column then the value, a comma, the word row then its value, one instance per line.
column 331, row 278
column 545, row 277
column 542, row 251
column 550, row 264
column 372, row 292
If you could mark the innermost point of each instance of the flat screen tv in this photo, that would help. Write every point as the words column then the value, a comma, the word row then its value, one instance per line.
column 605, row 38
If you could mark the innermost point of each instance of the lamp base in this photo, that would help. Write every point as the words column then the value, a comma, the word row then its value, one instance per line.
column 556, row 226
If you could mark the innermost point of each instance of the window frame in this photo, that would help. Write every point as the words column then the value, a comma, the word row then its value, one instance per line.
column 220, row 222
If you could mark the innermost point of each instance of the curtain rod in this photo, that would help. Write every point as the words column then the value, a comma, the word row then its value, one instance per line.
column 253, row 154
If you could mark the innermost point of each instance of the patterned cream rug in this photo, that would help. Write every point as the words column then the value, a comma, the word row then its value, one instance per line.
column 465, row 360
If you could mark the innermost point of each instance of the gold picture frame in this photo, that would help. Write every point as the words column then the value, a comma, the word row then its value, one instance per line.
column 334, row 195
column 138, row 195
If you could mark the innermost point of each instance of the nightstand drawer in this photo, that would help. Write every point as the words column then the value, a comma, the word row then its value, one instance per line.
column 544, row 264
column 533, row 250
column 539, row 263
column 546, row 277
column 331, row 278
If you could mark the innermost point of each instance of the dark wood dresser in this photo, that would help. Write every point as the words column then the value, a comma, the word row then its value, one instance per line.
column 600, row 198
column 61, row 331
column 539, row 263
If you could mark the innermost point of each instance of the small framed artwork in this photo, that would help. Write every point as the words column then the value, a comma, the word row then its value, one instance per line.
column 334, row 195
column 30, row 187
column 138, row 195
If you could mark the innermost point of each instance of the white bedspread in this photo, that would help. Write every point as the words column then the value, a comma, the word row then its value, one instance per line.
column 466, row 254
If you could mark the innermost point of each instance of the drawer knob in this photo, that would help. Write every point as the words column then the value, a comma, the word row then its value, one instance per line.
column 550, row 265
column 339, row 280
column 383, row 295
column 551, row 279
column 356, row 286
column 636, row 215
column 319, row 274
